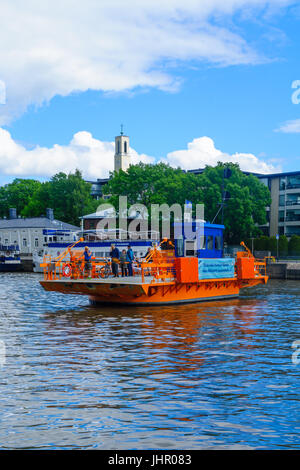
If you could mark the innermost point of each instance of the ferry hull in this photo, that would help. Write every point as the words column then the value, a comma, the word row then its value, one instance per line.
column 121, row 292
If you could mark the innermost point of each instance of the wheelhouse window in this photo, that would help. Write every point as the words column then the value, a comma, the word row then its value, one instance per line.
column 190, row 248
column 202, row 242
column 180, row 247
column 218, row 243
column 210, row 242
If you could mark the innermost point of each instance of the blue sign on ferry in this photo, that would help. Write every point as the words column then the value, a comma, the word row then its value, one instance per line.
column 219, row 268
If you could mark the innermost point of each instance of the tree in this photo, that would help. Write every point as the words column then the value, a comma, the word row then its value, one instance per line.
column 17, row 194
column 262, row 243
column 158, row 184
column 153, row 184
column 272, row 245
column 69, row 196
column 283, row 245
column 294, row 245
column 246, row 206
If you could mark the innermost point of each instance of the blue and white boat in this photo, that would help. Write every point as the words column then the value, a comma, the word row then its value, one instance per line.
column 10, row 260
column 98, row 241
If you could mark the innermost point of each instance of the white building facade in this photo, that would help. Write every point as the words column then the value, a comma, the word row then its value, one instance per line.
column 30, row 234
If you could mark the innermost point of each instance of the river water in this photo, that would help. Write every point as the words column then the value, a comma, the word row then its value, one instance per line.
column 216, row 375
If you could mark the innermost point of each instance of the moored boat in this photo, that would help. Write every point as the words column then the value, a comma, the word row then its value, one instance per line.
column 56, row 242
column 10, row 260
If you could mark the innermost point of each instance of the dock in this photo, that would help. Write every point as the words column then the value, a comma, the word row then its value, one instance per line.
column 284, row 270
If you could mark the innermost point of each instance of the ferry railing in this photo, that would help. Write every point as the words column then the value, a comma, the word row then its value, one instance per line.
column 159, row 264
column 260, row 265
column 260, row 268
column 156, row 267
column 122, row 235
column 158, row 271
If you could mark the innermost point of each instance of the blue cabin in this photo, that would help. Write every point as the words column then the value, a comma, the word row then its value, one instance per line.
column 207, row 242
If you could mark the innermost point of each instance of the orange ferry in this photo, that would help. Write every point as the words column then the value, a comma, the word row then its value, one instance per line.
column 183, row 271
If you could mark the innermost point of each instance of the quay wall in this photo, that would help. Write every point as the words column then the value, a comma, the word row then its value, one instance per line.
column 283, row 270
column 27, row 263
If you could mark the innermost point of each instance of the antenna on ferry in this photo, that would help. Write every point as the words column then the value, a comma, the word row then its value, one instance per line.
column 227, row 172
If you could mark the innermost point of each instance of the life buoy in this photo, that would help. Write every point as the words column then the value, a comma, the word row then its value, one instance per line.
column 67, row 270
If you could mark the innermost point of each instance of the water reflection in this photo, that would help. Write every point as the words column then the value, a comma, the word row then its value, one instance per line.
column 207, row 375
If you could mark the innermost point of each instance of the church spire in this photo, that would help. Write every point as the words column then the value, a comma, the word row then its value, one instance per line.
column 122, row 156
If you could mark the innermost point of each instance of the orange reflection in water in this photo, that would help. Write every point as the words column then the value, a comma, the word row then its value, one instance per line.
column 177, row 330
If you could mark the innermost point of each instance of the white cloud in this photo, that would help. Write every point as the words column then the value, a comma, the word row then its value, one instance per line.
column 290, row 127
column 202, row 151
column 95, row 158
column 56, row 48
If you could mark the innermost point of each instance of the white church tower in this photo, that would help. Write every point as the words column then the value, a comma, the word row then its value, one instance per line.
column 122, row 156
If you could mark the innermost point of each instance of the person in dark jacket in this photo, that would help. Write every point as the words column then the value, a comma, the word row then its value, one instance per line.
column 130, row 258
column 87, row 261
column 115, row 256
column 123, row 263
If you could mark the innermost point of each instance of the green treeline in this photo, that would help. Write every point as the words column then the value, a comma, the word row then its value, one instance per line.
column 157, row 184
column 286, row 247
column 69, row 195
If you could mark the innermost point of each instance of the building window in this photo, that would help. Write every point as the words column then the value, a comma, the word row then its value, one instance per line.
column 281, row 216
column 24, row 242
column 36, row 242
column 125, row 147
column 282, row 184
column 118, row 146
column 293, row 199
column 293, row 182
column 281, row 200
column 293, row 215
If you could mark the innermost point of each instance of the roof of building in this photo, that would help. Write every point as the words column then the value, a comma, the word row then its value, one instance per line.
column 110, row 212
column 98, row 181
column 198, row 171
column 100, row 214
column 35, row 222
column 259, row 175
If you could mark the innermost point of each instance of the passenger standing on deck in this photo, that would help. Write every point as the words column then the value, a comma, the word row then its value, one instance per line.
column 115, row 255
column 130, row 258
column 123, row 263
column 87, row 261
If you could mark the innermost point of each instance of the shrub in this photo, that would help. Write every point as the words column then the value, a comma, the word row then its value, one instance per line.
column 294, row 245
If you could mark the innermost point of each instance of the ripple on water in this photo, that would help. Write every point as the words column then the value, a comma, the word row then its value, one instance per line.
column 212, row 375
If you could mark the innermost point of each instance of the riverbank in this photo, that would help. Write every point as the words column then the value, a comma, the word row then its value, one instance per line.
column 284, row 270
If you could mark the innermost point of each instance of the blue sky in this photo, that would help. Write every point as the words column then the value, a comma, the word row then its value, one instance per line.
column 205, row 86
